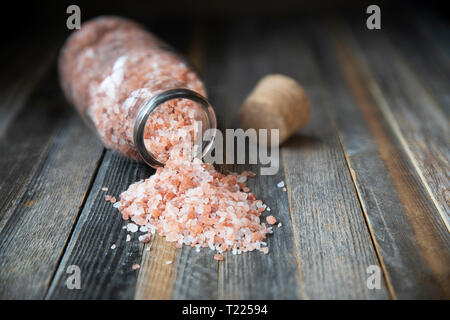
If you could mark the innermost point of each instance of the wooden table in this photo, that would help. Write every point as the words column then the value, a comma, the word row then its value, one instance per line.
column 367, row 179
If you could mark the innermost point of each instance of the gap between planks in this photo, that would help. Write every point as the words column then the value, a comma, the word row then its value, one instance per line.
column 69, row 238
column 343, row 44
column 381, row 101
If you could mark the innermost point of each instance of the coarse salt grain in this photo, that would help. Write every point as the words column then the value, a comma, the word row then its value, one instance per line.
column 271, row 220
column 218, row 257
column 128, row 238
column 168, row 262
column 280, row 184
column 135, row 266
column 104, row 189
column 132, row 227
column 113, row 246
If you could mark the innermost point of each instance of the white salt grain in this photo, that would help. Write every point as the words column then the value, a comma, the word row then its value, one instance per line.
column 280, row 184
column 132, row 227
column 113, row 246
column 128, row 237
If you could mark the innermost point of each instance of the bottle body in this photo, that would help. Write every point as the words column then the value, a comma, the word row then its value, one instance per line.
column 110, row 68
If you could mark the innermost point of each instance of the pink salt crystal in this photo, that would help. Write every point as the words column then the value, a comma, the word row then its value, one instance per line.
column 135, row 266
column 107, row 197
column 218, row 257
column 265, row 250
column 113, row 199
column 271, row 220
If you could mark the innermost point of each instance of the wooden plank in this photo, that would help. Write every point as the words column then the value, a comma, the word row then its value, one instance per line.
column 403, row 221
column 421, row 125
column 36, row 233
column 24, row 64
column 333, row 243
column 105, row 273
column 22, row 145
column 239, row 64
column 25, row 142
column 433, row 25
column 416, row 52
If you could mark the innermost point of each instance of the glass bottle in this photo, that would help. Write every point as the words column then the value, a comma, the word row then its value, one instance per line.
column 119, row 77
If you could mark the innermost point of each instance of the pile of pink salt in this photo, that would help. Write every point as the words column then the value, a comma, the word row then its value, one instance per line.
column 189, row 202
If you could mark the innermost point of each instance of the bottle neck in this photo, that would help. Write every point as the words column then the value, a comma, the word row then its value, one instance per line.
column 149, row 106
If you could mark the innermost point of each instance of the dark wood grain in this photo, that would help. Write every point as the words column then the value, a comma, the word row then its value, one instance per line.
column 36, row 232
column 239, row 65
column 419, row 123
column 433, row 25
column 333, row 243
column 105, row 273
column 28, row 120
column 23, row 66
column 417, row 52
column 400, row 214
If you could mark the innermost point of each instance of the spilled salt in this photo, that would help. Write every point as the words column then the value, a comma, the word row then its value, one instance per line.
column 218, row 257
column 187, row 201
column 271, row 220
column 132, row 227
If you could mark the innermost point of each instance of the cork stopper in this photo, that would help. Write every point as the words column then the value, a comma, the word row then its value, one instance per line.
column 276, row 102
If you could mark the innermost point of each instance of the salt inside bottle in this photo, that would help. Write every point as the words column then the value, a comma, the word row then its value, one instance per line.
column 140, row 96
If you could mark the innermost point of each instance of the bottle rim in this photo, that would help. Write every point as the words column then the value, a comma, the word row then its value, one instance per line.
column 150, row 105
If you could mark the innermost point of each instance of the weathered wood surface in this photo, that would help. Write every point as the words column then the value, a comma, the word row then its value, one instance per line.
column 334, row 246
column 402, row 218
column 419, row 122
column 105, row 273
column 38, row 225
column 367, row 179
column 239, row 64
